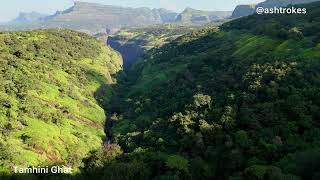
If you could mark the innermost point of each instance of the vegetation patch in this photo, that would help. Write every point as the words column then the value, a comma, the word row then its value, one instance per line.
column 48, row 111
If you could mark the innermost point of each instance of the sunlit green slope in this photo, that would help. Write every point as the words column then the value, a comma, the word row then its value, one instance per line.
column 48, row 108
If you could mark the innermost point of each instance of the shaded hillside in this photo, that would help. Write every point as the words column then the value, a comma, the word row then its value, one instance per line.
column 48, row 111
column 242, row 102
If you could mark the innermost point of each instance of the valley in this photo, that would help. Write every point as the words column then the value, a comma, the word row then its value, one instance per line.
column 141, row 93
column 238, row 102
column 134, row 43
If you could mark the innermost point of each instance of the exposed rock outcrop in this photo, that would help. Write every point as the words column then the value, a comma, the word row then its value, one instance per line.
column 243, row 10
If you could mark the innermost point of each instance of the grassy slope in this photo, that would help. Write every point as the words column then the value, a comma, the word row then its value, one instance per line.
column 48, row 112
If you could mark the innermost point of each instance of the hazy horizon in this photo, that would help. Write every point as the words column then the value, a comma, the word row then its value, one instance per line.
column 11, row 9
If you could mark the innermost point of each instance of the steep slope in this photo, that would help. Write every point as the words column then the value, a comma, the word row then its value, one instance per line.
column 167, row 16
column 49, row 85
column 193, row 16
column 245, row 10
column 241, row 102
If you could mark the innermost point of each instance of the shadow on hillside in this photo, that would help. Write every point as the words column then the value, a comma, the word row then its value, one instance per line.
column 111, row 97
column 108, row 98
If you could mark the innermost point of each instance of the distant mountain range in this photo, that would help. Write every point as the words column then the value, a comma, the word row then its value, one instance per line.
column 245, row 10
column 95, row 18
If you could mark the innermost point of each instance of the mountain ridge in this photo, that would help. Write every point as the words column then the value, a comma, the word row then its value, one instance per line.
column 94, row 18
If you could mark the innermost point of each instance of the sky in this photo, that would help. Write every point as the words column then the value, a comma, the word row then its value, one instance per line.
column 9, row 9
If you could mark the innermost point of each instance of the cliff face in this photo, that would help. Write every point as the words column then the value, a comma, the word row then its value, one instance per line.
column 166, row 15
column 243, row 10
column 130, row 52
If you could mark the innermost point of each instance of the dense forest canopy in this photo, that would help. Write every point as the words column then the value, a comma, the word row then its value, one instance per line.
column 241, row 102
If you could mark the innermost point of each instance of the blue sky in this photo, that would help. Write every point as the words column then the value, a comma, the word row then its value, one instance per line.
column 9, row 9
